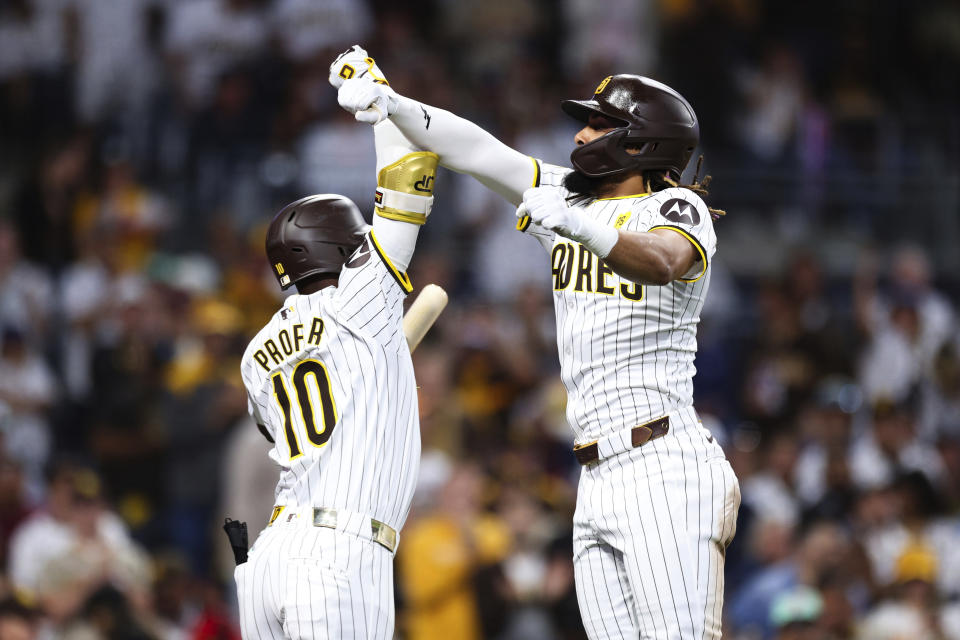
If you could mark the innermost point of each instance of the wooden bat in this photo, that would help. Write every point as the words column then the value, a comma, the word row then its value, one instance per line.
column 423, row 313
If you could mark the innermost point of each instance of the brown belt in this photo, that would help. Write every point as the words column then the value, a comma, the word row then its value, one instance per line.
column 639, row 436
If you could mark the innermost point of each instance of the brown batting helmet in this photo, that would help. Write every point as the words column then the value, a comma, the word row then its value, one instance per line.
column 313, row 235
column 649, row 115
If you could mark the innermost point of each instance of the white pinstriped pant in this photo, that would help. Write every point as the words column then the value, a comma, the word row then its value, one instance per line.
column 302, row 581
column 650, row 531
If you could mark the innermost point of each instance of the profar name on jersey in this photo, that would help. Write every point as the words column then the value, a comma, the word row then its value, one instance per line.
column 288, row 342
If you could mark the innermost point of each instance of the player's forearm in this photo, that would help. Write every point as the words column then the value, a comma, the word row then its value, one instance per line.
column 647, row 258
column 466, row 148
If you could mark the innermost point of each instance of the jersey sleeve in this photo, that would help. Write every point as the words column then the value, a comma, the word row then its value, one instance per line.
column 254, row 410
column 371, row 292
column 550, row 175
column 397, row 239
column 683, row 212
column 545, row 175
column 251, row 382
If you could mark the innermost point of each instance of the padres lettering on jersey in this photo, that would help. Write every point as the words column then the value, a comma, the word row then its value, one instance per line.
column 573, row 265
column 627, row 350
column 316, row 376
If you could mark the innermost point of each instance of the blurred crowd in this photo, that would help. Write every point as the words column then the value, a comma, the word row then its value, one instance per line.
column 146, row 143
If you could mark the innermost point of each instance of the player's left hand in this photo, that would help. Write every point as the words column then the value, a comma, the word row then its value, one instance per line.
column 368, row 101
column 548, row 207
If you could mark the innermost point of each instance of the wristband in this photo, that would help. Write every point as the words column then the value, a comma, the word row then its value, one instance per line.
column 405, row 207
column 596, row 236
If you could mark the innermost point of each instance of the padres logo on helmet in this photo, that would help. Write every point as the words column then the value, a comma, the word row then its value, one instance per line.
column 603, row 84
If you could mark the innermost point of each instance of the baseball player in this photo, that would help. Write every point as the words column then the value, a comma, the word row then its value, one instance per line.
column 331, row 385
column 630, row 252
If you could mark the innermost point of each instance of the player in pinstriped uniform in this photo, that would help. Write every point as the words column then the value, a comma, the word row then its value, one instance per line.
column 630, row 252
column 331, row 385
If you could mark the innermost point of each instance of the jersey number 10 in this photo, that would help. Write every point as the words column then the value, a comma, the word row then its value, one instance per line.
column 308, row 415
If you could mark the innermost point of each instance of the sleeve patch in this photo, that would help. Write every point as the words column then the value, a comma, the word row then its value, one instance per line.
column 680, row 211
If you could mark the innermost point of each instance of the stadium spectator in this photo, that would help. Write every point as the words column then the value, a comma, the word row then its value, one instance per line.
column 823, row 548
column 446, row 554
column 892, row 446
column 206, row 38
column 27, row 391
column 795, row 615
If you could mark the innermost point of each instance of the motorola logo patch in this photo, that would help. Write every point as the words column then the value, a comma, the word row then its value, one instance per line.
column 680, row 211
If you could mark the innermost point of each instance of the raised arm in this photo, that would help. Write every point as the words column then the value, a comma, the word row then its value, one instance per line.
column 404, row 198
column 461, row 145
column 466, row 148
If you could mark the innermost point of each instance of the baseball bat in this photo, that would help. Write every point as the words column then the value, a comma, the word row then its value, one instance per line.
column 423, row 313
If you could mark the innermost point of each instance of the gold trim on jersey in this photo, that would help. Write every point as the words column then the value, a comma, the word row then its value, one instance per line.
column 523, row 222
column 277, row 510
column 402, row 278
column 696, row 245
column 632, row 195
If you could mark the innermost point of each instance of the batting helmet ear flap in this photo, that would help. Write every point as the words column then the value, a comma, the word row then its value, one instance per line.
column 604, row 156
column 628, row 149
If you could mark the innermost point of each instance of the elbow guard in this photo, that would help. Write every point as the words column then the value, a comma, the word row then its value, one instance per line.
column 405, row 188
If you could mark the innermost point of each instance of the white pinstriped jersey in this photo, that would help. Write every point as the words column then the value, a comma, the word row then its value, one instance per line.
column 331, row 381
column 627, row 350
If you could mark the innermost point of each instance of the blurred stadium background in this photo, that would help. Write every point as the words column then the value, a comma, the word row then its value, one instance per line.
column 145, row 144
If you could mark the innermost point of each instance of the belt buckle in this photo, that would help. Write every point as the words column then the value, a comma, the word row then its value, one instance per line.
column 325, row 518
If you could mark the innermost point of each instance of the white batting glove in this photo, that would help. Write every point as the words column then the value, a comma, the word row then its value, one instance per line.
column 547, row 207
column 368, row 101
column 355, row 63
